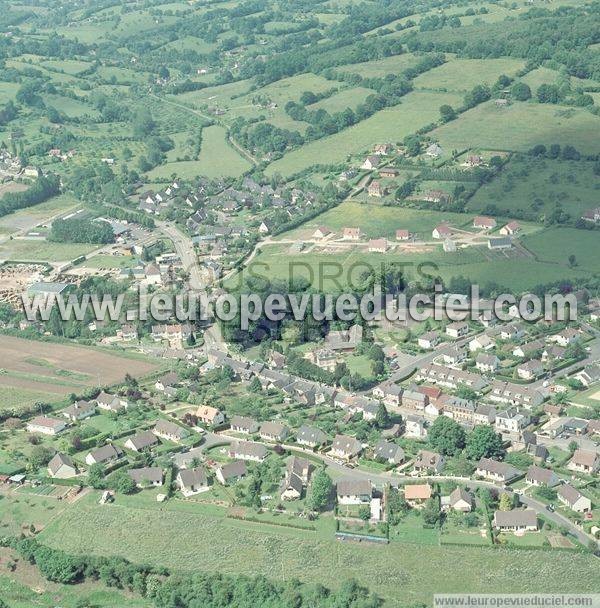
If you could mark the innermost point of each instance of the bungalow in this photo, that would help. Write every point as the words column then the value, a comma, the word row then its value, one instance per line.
column 141, row 441
column 584, row 461
column 441, row 232
column 46, row 425
column 169, row 430
column 61, row 466
column 273, row 431
column 574, row 499
column 500, row 242
column 243, row 424
column 371, row 162
column 292, row 487
column 482, row 342
column 530, row 369
column 378, row 246
column 106, row 453
column 496, row 471
column 351, row 234
column 321, row 232
column 429, row 340
column 434, row 150
column 192, row 481
column 376, row 188
column 210, row 415
column 389, row 172
column 146, row 476
column 402, row 235
column 388, row 452
column 589, row 375
column 435, row 196
column 414, row 428
column 354, row 491
column 484, row 223
column 457, row 329
column 311, row 436
column 111, row 403
column 554, row 353
column 487, row 363
column 246, row 450
column 345, row 447
column 171, row 379
column 566, row 336
column 231, row 471
column 510, row 229
column 529, row 349
column 79, row 410
column 429, row 462
column 538, row 476
column 517, row 520
column 461, row 500
column 416, row 494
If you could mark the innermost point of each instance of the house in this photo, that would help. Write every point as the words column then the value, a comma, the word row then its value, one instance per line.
column 414, row 399
column 553, row 411
column 434, row 150
column 141, row 441
column 346, row 339
column 511, row 332
column 325, row 358
column 482, row 342
column 449, row 246
column 459, row 409
column 354, row 491
column 554, row 353
column 273, row 431
column 80, row 410
column 210, row 415
column 484, row 223
column 46, row 425
column 402, row 235
column 246, row 450
column 376, row 188
column 511, row 421
column 454, row 356
column 429, row 340
column 592, row 215
column 428, row 462
column 516, row 394
column 500, row 242
column 416, row 494
column 496, row 471
column 441, row 232
column 230, row 472
column 388, row 452
column 566, row 336
column 574, row 499
column 517, row 520
column 584, row 461
column 487, row 363
column 510, row 229
column 435, row 196
column 192, row 481
column 321, row 232
column 111, row 403
column 106, row 453
column 530, row 369
column 351, row 234
column 169, row 380
column 266, row 227
column 461, row 500
column 450, row 377
column 414, row 428
column 169, row 430
column 474, row 160
column 243, row 424
column 389, row 393
column 292, row 487
column 146, row 476
column 529, row 348
column 382, row 149
column 300, row 467
column 538, row 476
column 310, row 436
column 389, row 172
column 371, row 162
column 434, row 409
column 378, row 246
column 484, row 414
column 61, row 466
column 345, row 447
column 458, row 329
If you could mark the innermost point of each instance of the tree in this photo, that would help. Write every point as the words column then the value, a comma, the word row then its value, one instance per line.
column 447, row 113
column 572, row 261
column 382, row 418
column 484, row 442
column 96, row 476
column 364, row 512
column 320, row 491
column 40, row 456
column 431, row 512
column 446, row 436
column 123, row 483
column 521, row 91
column 506, row 502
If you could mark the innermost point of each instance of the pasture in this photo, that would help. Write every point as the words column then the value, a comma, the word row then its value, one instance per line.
column 417, row 109
column 39, row 250
column 394, row 571
column 519, row 127
column 378, row 68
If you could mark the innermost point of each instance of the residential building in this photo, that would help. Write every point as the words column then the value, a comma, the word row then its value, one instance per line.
column 273, row 431
column 345, row 447
column 192, row 481
column 517, row 520
column 310, row 436
column 417, row 494
column 146, row 476
column 538, row 476
column 210, row 415
column 46, row 425
column 496, row 471
column 354, row 491
column 106, row 453
column 429, row 340
column 231, row 472
column 574, row 499
column 584, row 461
column 246, row 450
column 389, row 452
column 243, row 424
column 80, row 410
column 458, row 329
column 511, row 421
column 141, row 441
column 61, row 466
column 428, row 462
column 165, row 429
column 487, row 363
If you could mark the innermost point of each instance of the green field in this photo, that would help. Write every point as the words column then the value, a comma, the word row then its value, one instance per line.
column 347, row 98
column 394, row 571
column 519, row 127
column 464, row 74
column 11, row 398
column 392, row 124
column 33, row 250
column 381, row 67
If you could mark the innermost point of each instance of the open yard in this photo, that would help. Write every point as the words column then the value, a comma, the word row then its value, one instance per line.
column 394, row 571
